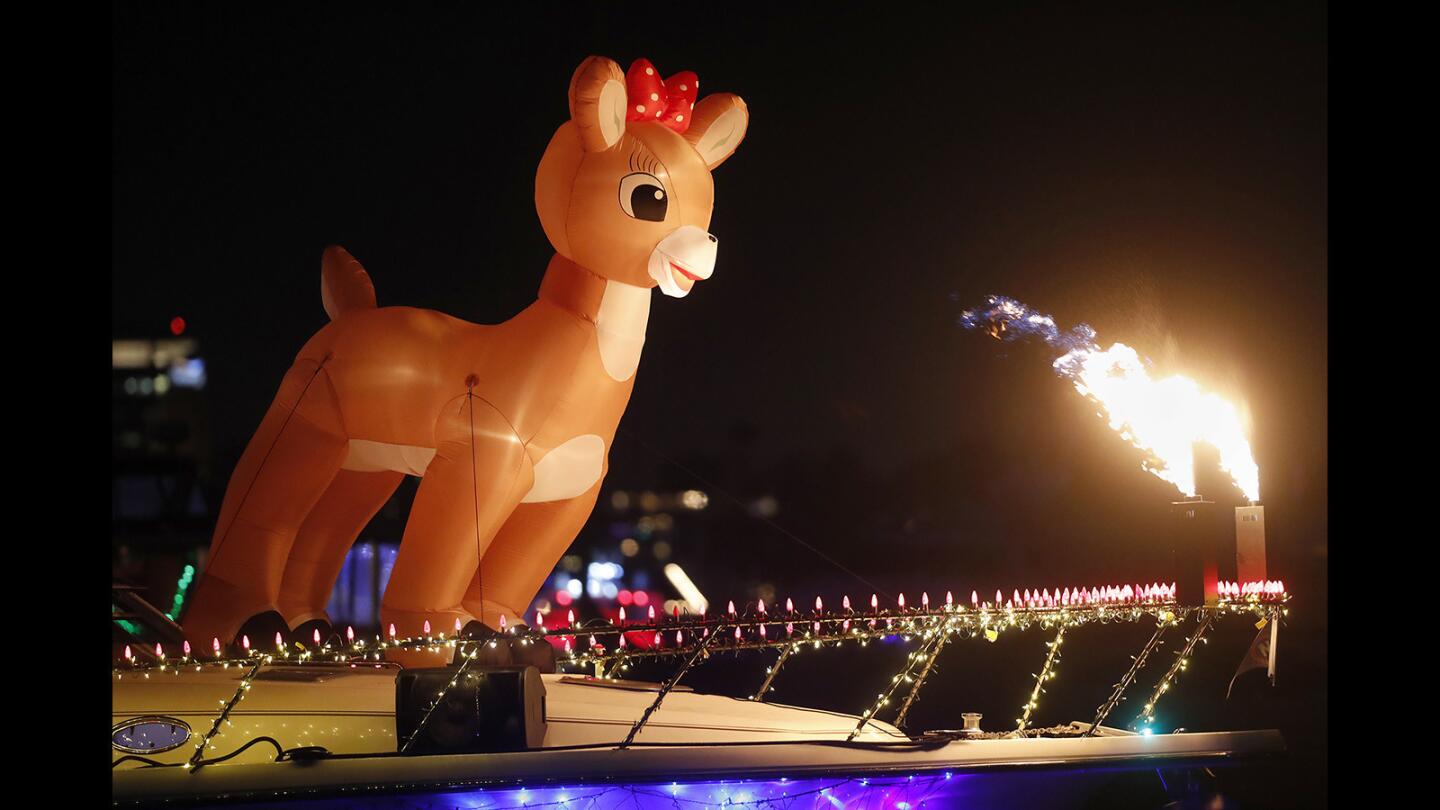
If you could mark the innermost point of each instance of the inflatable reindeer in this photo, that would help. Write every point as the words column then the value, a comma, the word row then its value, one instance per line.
column 508, row 426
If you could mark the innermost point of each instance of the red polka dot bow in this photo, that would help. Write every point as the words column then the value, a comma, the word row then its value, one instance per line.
column 668, row 102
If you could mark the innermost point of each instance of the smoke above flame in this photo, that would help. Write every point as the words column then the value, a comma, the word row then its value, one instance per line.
column 1162, row 417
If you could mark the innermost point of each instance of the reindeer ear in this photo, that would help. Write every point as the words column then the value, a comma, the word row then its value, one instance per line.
column 597, row 103
column 717, row 125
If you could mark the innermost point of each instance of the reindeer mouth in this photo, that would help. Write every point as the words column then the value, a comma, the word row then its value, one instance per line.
column 681, row 270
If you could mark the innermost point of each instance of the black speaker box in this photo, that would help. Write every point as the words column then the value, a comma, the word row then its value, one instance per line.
column 489, row 709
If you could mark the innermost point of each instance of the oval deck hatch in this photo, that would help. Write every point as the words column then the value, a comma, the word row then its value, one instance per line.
column 150, row 734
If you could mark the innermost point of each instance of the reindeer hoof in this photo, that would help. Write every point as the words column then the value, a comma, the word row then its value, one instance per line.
column 307, row 632
column 262, row 629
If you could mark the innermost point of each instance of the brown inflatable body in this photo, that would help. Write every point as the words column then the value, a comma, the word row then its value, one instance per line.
column 508, row 425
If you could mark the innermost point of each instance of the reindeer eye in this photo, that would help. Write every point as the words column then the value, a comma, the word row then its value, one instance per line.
column 642, row 196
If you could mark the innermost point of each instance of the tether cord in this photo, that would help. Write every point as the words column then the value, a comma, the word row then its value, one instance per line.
column 740, row 503
column 475, row 493
column 215, row 555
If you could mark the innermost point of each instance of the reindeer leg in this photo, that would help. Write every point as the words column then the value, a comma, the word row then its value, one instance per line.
column 284, row 470
column 524, row 553
column 325, row 538
column 479, row 473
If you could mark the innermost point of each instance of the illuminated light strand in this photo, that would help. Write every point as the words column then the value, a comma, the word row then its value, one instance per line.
column 1047, row 673
column 440, row 696
column 827, row 629
column 361, row 652
column 900, row 792
column 772, row 671
column 925, row 627
column 916, row 658
column 943, row 637
column 1166, row 621
column 1147, row 714
column 700, row 651
column 195, row 762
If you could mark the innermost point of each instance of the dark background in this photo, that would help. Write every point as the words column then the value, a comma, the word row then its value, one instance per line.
column 1159, row 171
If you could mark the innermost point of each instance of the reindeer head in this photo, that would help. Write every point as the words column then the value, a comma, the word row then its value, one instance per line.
column 624, row 188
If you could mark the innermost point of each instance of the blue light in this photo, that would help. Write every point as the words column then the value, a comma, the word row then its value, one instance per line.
column 897, row 792
column 188, row 374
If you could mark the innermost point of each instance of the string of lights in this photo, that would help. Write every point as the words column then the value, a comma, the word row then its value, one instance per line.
column 1147, row 714
column 941, row 640
column 917, row 658
column 771, row 672
column 226, row 707
column 678, row 638
column 1047, row 672
column 1167, row 620
column 466, row 660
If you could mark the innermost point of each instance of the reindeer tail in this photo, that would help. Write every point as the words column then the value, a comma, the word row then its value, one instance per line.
column 344, row 284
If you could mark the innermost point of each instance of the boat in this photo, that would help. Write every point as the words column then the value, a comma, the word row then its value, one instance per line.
column 338, row 726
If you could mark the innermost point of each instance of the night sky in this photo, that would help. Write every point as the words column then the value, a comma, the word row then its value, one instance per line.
column 1156, row 170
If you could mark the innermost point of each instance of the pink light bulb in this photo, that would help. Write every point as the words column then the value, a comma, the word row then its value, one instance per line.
column 185, row 646
column 761, row 607
column 974, row 598
column 159, row 651
column 925, row 600
column 789, row 606
column 316, row 636
column 426, row 627
column 949, row 599
column 874, row 602
column 350, row 633
column 128, row 655
column 845, row 602
column 245, row 641
column 392, row 630
column 279, row 641
column 901, row 600
column 215, row 644
column 730, row 607
column 622, row 614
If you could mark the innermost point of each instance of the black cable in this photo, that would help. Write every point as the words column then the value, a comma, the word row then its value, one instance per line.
column 927, row 744
column 318, row 752
column 279, row 752
column 150, row 763
column 304, row 752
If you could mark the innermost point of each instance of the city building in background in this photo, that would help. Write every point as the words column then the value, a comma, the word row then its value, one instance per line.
column 163, row 494
column 640, row 550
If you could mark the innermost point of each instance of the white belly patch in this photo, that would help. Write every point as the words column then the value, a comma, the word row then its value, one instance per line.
column 568, row 470
column 366, row 456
